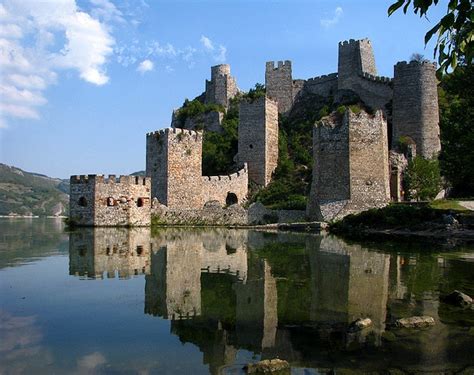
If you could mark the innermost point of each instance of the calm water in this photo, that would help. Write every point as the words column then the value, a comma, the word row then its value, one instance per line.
column 209, row 301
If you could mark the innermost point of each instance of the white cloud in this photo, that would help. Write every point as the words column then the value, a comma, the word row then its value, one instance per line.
column 40, row 38
column 218, row 54
column 329, row 22
column 145, row 66
column 207, row 43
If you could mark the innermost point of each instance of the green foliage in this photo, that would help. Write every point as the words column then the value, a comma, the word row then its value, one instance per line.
column 393, row 216
column 447, row 204
column 456, row 100
column 422, row 179
column 455, row 33
column 193, row 108
column 219, row 149
column 258, row 91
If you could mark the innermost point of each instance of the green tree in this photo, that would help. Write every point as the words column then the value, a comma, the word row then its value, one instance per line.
column 455, row 34
column 422, row 180
column 456, row 101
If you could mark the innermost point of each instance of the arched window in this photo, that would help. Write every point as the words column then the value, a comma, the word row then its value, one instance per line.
column 139, row 250
column 110, row 202
column 82, row 202
column 231, row 199
column 140, row 202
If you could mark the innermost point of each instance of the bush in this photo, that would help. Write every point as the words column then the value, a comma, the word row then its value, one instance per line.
column 422, row 179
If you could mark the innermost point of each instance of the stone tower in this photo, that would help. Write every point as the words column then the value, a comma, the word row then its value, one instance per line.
column 222, row 86
column 415, row 106
column 279, row 84
column 356, row 57
column 173, row 161
column 351, row 171
column 258, row 138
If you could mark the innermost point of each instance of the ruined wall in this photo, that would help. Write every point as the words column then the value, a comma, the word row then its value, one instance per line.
column 99, row 252
column 110, row 202
column 220, row 188
column 351, row 170
column 258, row 138
column 222, row 87
column 211, row 121
column 174, row 165
column 279, row 84
column 415, row 106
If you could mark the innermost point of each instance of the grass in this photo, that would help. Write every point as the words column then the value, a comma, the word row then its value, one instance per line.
column 447, row 204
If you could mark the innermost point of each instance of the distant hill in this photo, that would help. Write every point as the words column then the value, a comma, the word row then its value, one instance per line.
column 26, row 193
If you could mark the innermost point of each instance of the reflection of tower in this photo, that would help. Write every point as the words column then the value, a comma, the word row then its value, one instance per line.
column 122, row 251
column 257, row 315
column 173, row 290
column 349, row 283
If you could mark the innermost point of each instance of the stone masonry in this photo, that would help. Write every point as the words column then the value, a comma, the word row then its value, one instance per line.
column 97, row 201
column 174, row 163
column 279, row 84
column 351, row 170
column 258, row 138
column 415, row 106
column 222, row 86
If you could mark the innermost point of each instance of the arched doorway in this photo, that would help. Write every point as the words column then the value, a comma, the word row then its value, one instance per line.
column 231, row 199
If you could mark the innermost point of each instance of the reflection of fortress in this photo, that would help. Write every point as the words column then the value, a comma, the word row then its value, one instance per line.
column 278, row 295
column 94, row 252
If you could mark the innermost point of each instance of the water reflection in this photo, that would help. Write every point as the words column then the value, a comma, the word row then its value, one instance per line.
column 286, row 295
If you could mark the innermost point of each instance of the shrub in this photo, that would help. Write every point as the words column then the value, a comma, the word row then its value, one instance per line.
column 422, row 179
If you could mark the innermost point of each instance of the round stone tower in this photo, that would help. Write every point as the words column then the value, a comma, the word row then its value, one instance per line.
column 415, row 106
column 220, row 70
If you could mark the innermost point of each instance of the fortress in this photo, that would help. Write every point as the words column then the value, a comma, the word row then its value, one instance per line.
column 358, row 163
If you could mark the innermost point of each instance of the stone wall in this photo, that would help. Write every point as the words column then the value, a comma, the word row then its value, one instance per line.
column 351, row 170
column 325, row 85
column 95, row 200
column 174, row 159
column 174, row 162
column 222, row 87
column 415, row 106
column 211, row 121
column 279, row 84
column 355, row 57
column 221, row 188
column 258, row 138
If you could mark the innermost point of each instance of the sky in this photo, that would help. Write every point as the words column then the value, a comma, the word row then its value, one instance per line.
column 83, row 81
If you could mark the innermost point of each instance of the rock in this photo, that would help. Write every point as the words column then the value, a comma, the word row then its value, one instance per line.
column 214, row 204
column 450, row 220
column 360, row 324
column 268, row 366
column 415, row 322
column 458, row 298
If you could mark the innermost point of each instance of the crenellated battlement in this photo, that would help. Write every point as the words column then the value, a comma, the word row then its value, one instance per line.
column 416, row 64
column 234, row 176
column 111, row 179
column 354, row 42
column 376, row 79
column 322, row 79
column 278, row 64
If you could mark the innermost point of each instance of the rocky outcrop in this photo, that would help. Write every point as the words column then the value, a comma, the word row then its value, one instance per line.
column 269, row 366
column 458, row 298
column 415, row 322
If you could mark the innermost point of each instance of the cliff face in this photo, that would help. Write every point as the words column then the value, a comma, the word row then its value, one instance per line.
column 26, row 193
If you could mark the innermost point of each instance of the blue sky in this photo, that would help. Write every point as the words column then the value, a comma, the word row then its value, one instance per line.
column 82, row 81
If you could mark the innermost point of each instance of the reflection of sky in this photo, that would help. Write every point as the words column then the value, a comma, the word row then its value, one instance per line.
column 75, row 319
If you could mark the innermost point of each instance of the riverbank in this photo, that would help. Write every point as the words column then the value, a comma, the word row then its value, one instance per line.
column 422, row 222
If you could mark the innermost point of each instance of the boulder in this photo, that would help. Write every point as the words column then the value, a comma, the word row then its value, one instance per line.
column 458, row 298
column 360, row 324
column 269, row 366
column 415, row 322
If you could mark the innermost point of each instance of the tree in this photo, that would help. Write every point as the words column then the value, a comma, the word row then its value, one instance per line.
column 422, row 180
column 455, row 34
column 456, row 101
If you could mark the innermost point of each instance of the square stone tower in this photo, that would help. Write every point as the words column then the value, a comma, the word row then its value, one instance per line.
column 356, row 57
column 279, row 84
column 258, row 138
column 351, row 170
column 173, row 161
